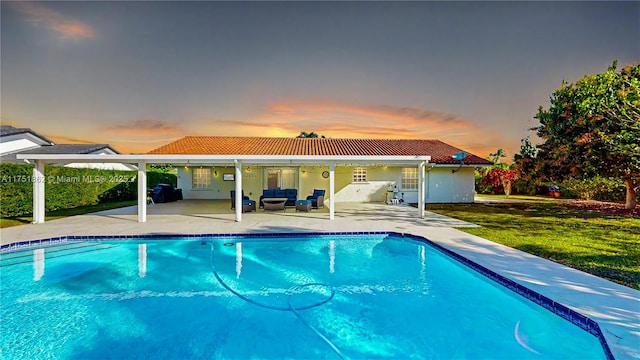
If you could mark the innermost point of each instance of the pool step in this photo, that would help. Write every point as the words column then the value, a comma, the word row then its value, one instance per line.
column 26, row 256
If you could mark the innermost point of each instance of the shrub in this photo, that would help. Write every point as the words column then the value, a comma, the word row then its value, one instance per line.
column 67, row 187
column 597, row 188
column 528, row 187
column 497, row 181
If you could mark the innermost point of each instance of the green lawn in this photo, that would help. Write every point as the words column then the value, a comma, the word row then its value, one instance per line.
column 606, row 246
column 57, row 214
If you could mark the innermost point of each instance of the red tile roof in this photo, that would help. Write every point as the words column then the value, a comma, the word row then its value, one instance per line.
column 213, row 145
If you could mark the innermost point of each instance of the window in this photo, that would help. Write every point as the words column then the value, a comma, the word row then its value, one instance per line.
column 201, row 178
column 359, row 174
column 281, row 178
column 409, row 178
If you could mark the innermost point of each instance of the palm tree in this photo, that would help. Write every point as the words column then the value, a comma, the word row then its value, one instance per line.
column 495, row 157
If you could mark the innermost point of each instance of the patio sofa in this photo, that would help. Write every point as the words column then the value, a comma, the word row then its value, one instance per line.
column 290, row 194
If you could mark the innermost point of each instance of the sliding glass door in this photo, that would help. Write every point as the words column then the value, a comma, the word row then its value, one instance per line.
column 280, row 178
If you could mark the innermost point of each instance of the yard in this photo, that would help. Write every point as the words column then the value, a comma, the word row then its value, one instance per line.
column 58, row 214
column 591, row 237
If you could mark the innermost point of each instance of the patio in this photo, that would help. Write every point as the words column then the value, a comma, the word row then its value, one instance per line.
column 616, row 308
column 216, row 216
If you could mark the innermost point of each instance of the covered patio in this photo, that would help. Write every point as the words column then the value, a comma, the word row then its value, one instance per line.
column 39, row 178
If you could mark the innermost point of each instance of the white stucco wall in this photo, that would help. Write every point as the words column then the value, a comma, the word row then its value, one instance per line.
column 374, row 190
column 443, row 186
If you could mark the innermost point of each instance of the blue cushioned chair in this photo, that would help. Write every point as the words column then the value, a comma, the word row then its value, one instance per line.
column 317, row 199
column 247, row 204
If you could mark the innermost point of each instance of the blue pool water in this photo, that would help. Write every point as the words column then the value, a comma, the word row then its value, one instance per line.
column 375, row 296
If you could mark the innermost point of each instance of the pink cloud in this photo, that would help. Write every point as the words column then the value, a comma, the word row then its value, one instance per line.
column 339, row 119
column 42, row 16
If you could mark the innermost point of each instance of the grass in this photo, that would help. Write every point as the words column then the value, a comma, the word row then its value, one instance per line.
column 605, row 246
column 57, row 214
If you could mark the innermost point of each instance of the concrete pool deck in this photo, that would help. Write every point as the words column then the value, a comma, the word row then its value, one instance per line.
column 616, row 308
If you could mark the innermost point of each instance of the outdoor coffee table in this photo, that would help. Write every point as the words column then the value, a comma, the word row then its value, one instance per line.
column 274, row 203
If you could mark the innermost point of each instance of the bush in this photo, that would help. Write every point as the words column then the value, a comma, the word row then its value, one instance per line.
column 67, row 187
column 597, row 188
column 528, row 187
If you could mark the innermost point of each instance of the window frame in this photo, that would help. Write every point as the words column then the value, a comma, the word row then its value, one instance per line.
column 359, row 175
column 409, row 177
column 197, row 182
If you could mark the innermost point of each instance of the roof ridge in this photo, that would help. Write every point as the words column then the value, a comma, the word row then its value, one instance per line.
column 292, row 138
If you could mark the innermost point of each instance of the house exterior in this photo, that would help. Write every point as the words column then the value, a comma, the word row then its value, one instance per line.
column 14, row 141
column 360, row 170
column 372, row 179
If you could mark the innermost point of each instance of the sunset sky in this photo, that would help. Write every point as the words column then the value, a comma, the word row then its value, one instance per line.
column 138, row 75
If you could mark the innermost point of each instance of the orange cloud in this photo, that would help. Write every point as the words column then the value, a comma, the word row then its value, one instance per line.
column 342, row 120
column 42, row 16
column 67, row 140
column 139, row 136
column 339, row 119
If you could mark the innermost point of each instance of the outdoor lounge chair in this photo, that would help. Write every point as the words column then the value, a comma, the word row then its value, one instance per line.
column 317, row 199
column 247, row 204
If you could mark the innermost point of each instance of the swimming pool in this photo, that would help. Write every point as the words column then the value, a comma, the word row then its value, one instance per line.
column 379, row 295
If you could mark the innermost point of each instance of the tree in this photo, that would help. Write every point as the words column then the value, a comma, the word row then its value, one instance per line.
column 592, row 128
column 525, row 160
column 524, row 164
column 304, row 134
column 500, row 180
column 495, row 157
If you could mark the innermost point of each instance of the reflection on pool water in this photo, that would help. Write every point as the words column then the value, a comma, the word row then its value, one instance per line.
column 373, row 296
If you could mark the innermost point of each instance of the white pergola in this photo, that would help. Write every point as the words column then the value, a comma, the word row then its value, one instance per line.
column 39, row 176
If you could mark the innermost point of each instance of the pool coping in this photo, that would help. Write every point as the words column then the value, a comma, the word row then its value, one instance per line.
column 574, row 317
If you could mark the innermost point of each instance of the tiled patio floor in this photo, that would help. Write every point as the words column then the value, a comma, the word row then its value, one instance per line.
column 616, row 308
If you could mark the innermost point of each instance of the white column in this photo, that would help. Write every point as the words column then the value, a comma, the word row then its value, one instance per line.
column 238, row 259
column 421, row 192
column 238, row 198
column 142, row 260
column 332, row 256
column 142, row 192
column 332, row 189
column 38, row 192
column 38, row 264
